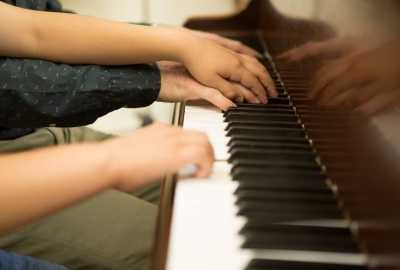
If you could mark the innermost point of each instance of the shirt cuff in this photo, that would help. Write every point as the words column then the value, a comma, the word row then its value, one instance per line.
column 134, row 86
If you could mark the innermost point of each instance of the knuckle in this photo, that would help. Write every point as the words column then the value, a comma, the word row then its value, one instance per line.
column 232, row 95
column 236, row 63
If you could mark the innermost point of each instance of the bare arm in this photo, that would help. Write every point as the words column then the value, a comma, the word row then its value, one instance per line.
column 37, row 183
column 76, row 39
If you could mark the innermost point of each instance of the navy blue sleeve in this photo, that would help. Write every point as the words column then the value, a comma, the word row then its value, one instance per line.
column 35, row 93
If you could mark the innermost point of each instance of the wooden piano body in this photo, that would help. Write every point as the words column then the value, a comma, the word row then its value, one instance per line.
column 359, row 155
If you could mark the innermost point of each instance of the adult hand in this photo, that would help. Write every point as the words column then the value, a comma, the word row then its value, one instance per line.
column 155, row 151
column 366, row 82
column 337, row 47
column 177, row 85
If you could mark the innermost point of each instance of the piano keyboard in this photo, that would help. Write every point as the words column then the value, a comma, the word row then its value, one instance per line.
column 268, row 203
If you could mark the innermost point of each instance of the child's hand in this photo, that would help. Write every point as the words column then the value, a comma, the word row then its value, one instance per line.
column 154, row 151
column 216, row 67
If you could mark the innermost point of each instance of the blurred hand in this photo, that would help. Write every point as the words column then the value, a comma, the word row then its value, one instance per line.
column 366, row 82
column 336, row 47
column 154, row 151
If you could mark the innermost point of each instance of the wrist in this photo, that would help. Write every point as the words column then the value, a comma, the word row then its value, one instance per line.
column 191, row 47
column 105, row 163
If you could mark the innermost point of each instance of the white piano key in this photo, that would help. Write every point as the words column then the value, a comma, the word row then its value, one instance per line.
column 209, row 120
column 204, row 229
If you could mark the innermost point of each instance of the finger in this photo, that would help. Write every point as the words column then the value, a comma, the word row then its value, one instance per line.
column 226, row 88
column 215, row 97
column 339, row 99
column 247, row 94
column 198, row 151
column 307, row 50
column 249, row 81
column 239, row 47
column 295, row 55
column 363, row 94
column 249, row 51
column 262, row 75
column 325, row 75
column 379, row 102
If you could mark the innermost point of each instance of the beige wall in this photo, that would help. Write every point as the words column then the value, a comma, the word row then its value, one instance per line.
column 173, row 12
column 120, row 10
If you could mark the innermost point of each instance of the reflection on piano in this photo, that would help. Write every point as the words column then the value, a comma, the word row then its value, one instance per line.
column 295, row 185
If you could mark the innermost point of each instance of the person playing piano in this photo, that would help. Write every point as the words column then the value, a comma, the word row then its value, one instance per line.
column 67, row 70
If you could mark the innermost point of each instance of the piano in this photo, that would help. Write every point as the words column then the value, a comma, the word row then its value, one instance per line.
column 294, row 185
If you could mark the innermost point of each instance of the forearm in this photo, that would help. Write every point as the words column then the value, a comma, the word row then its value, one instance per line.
column 79, row 39
column 49, row 180
column 38, row 93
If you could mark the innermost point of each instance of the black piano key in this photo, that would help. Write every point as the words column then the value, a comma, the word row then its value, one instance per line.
column 261, row 123
column 269, row 145
column 274, row 76
column 260, row 110
column 286, row 195
column 270, row 124
column 296, row 165
column 277, row 155
column 266, row 131
column 261, row 105
column 260, row 264
column 244, row 174
column 260, row 116
column 262, row 208
column 276, row 124
column 279, row 100
column 288, row 210
column 282, row 96
column 289, row 184
column 294, row 96
column 280, row 90
column 293, row 237
column 271, row 139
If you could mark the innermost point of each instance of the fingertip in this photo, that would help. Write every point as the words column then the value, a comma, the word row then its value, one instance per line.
column 275, row 93
column 226, row 105
column 239, row 99
column 262, row 98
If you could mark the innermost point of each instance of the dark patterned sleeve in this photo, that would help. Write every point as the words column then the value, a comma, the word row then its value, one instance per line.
column 35, row 93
